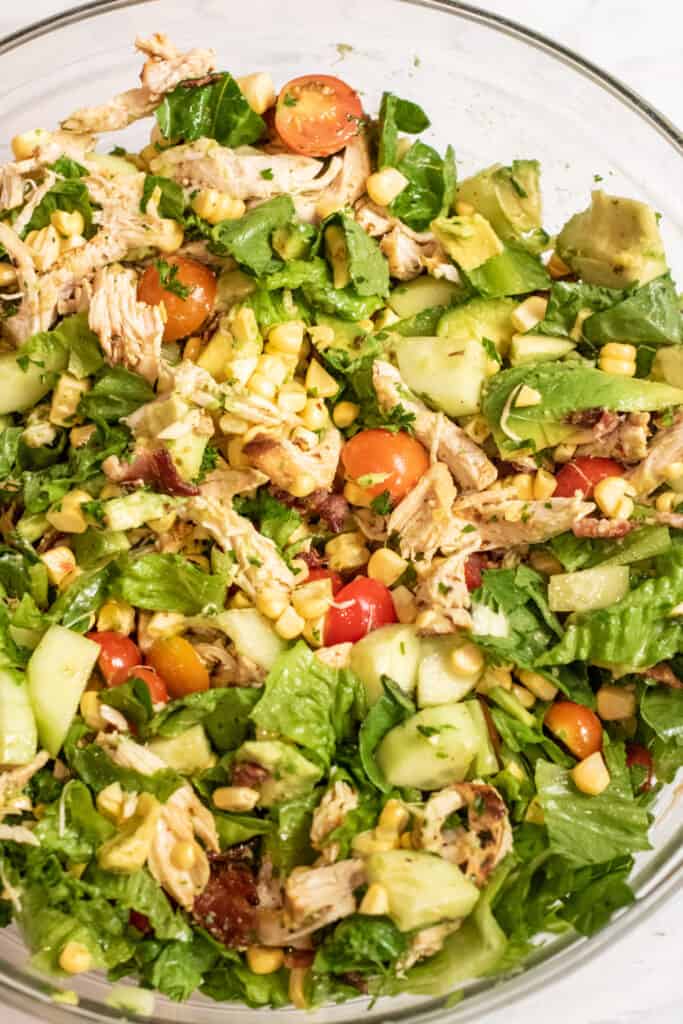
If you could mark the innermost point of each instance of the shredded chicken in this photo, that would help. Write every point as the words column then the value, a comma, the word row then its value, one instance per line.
column 627, row 442
column 12, row 183
column 408, row 252
column 223, row 483
column 504, row 521
column 18, row 834
column 285, row 463
column 14, row 780
column 130, row 331
column 312, row 893
column 349, row 183
column 403, row 254
column 36, row 197
column 165, row 68
column 443, row 594
column 423, row 520
column 426, row 942
column 330, row 814
column 470, row 466
column 666, row 448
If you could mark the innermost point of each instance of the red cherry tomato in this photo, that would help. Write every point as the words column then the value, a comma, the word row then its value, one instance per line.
column 157, row 687
column 583, row 474
column 176, row 661
column 118, row 655
column 366, row 605
column 635, row 754
column 474, row 566
column 326, row 574
column 316, row 115
column 187, row 311
column 397, row 460
column 576, row 726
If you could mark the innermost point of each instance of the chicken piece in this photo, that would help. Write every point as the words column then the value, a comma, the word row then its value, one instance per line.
column 259, row 564
column 424, row 943
column 36, row 196
column 403, row 253
column 285, row 463
column 14, row 780
column 314, row 892
column 480, row 847
column 443, row 594
column 18, row 834
column 372, row 526
column 408, row 252
column 666, row 448
column 504, row 521
column 13, row 184
column 470, row 466
column 130, row 331
column 165, row 68
column 223, row 483
column 115, row 193
column 207, row 164
column 190, row 382
column 331, row 812
column 349, row 183
column 27, row 278
column 627, row 442
column 227, row 667
column 335, row 656
column 423, row 519
column 375, row 220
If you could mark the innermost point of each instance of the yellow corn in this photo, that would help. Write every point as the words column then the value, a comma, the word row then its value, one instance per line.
column 258, row 90
column 322, row 336
column 274, row 368
column 523, row 484
column 314, row 415
column 495, row 676
column 618, row 367
column 614, row 703
column 235, row 798
column 356, row 495
column 468, row 659
column 60, row 563
column 538, row 684
column 262, row 960
column 394, row 817
column 477, row 428
column 406, row 841
column 214, row 206
column 367, row 843
column 591, row 775
column 271, row 602
column 109, row 801
column 8, row 275
column 618, row 359
column 314, row 631
column 90, row 711
column 319, row 383
column 613, row 497
column 75, row 958
column 169, row 235
column 290, row 624
column 311, row 600
column 297, row 982
column 184, row 855
column 375, row 901
column 287, row 337
column 404, row 605
column 386, row 566
column 545, row 485
column 68, row 224
column 25, row 145
column 239, row 600
column 45, row 247
column 383, row 186
column 667, row 501
column 292, row 397
column 347, row 551
column 529, row 313
column 260, row 385
column 557, row 268
column 534, row 814
column 69, row 517
column 116, row 616
column 464, row 209
column 344, row 414
column 524, row 696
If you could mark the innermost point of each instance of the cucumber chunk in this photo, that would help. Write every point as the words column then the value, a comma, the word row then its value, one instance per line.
column 252, row 635
column 588, row 589
column 431, row 749
column 423, row 889
column 423, row 292
column 22, row 389
column 438, row 681
column 449, row 373
column 668, row 365
column 188, row 753
column 538, row 348
column 479, row 319
column 392, row 651
column 18, row 732
column 58, row 672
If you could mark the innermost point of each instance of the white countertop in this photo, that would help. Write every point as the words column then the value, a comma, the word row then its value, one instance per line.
column 639, row 41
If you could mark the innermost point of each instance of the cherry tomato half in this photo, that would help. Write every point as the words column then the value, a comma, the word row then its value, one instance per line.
column 576, row 726
column 326, row 574
column 366, row 605
column 176, row 660
column 583, row 474
column 316, row 115
column 188, row 301
column 396, row 460
column 474, row 566
column 155, row 684
column 118, row 654
column 635, row 754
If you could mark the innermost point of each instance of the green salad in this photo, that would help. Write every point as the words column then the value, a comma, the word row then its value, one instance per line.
column 341, row 631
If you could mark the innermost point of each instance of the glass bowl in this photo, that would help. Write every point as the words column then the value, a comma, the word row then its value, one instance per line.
column 497, row 92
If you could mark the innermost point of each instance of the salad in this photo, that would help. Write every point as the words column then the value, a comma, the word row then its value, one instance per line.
column 341, row 636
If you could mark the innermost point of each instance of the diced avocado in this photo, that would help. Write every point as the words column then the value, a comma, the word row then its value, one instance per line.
column 613, row 242
column 233, row 286
column 57, row 673
column 163, row 413
column 538, row 348
column 18, row 732
column 290, row 773
column 189, row 752
column 509, row 197
column 486, row 760
column 479, row 319
column 649, row 315
column 252, row 635
column 128, row 850
column 589, row 589
column 94, row 547
column 469, row 241
column 668, row 365
column 347, row 334
column 423, row 889
column 413, row 297
column 136, row 509
column 449, row 373
column 187, row 453
column 438, row 680
column 111, row 165
column 513, row 272
column 431, row 749
column 293, row 241
column 20, row 389
column 392, row 651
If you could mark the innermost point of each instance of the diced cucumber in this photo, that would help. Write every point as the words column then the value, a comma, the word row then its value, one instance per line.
column 588, row 589
column 479, row 319
column 668, row 365
column 21, row 389
column 188, row 753
column 18, row 732
column 538, row 348
column 136, row 509
column 252, row 635
column 486, row 760
column 58, row 672
column 421, row 293
column 431, row 749
column 438, row 681
column 423, row 889
column 449, row 373
column 392, row 651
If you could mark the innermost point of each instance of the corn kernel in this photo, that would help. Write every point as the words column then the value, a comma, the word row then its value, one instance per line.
column 617, row 367
column 60, row 563
column 367, row 843
column 612, row 496
column 667, row 501
column 591, row 775
column 527, row 397
column 69, row 517
column 235, row 798
column 90, row 711
column 235, row 453
column 290, row 624
column 557, row 268
column 537, row 684
column 614, row 350
column 79, row 436
column 344, row 414
column 304, row 485
column 169, row 236
column 468, row 659
column 274, row 368
column 615, row 703
column 68, row 224
column 322, row 336
column 75, row 958
column 45, row 247
column 383, row 186
column 214, row 206
column 271, row 602
column 524, row 696
column 25, row 145
column 244, row 326
column 529, row 313
column 404, row 605
column 545, row 485
column 356, row 495
column 66, row 398
column 394, row 817
column 262, row 960
column 319, row 382
column 116, row 616
column 314, row 415
column 260, row 385
column 297, row 982
column 477, row 428
column 184, row 855
column 292, row 397
column 311, row 600
column 258, row 90
column 464, row 209
column 239, row 600
column 523, row 484
column 375, row 901
column 347, row 551
column 407, row 841
column 8, row 275
column 287, row 337
column 386, row 566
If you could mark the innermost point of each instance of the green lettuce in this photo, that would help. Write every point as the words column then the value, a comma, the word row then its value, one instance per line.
column 115, row 393
column 179, row 969
column 172, row 200
column 98, row 771
column 585, row 553
column 170, row 583
column 141, row 892
column 361, row 944
column 217, row 110
column 248, row 239
column 288, row 844
column 272, row 518
column 397, row 115
column 368, row 267
column 75, row 606
column 71, row 346
column 228, row 724
column 392, row 708
column 650, row 315
column 238, row 828
column 314, row 278
column 568, row 298
column 71, row 826
column 521, row 595
column 430, row 189
column 662, row 709
column 68, row 194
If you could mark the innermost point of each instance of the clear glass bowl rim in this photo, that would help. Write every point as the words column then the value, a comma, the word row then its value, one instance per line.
column 574, row 952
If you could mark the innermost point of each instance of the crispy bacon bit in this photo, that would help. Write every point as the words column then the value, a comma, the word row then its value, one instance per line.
column 299, row 958
column 151, row 467
column 603, row 528
column 227, row 906
column 663, row 673
column 248, row 773
column 331, row 508
column 600, row 421
column 312, row 558
column 140, row 921
column 357, row 980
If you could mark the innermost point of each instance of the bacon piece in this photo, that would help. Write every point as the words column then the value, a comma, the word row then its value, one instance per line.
column 663, row 673
column 331, row 508
column 150, row 467
column 248, row 773
column 227, row 906
column 603, row 528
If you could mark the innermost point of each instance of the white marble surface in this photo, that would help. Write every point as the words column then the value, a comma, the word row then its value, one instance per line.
column 639, row 41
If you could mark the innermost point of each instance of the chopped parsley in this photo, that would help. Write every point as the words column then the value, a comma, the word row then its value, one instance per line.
column 381, row 505
column 289, row 100
column 267, row 173
column 168, row 277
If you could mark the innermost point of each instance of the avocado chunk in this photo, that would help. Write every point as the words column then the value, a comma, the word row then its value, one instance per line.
column 187, row 453
column 392, row 651
column 668, row 365
column 134, row 510
column 431, row 749
column 509, row 197
column 450, row 374
column 188, row 753
column 423, row 889
column 128, row 850
column 293, row 241
column 614, row 242
column 469, row 241
column 290, row 773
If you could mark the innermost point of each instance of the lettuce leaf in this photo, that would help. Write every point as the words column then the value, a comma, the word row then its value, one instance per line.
column 228, row 724
column 98, row 771
column 272, row 518
column 314, row 279
column 172, row 201
column 650, row 315
column 392, row 708
column 217, row 110
column 75, row 606
column 115, row 393
column 568, row 298
column 141, row 892
column 248, row 239
column 68, row 194
column 521, row 595
column 71, row 826
column 237, row 828
column 71, row 345
column 363, row 944
column 180, row 967
column 368, row 267
column 397, row 115
column 430, row 189
column 662, row 709
column 585, row 553
column 170, row 583
column 288, row 844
